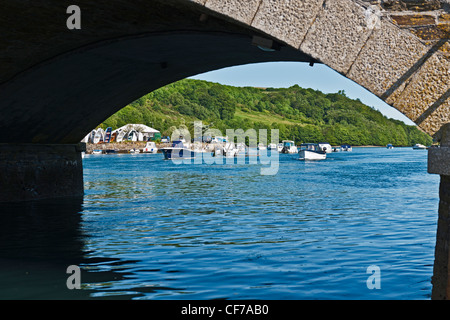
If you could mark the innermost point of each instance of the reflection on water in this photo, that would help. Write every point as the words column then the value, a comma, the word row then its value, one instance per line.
column 39, row 240
column 151, row 229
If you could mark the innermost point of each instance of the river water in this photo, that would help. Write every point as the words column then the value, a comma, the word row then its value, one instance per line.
column 149, row 228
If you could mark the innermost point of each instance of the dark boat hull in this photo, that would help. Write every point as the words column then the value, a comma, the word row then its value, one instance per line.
column 178, row 153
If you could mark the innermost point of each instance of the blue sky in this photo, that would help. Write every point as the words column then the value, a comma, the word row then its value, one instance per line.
column 286, row 74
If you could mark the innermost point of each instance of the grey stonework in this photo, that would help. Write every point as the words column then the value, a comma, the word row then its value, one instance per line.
column 33, row 171
column 439, row 163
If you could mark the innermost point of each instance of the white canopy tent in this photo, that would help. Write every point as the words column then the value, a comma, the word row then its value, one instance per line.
column 145, row 132
column 138, row 127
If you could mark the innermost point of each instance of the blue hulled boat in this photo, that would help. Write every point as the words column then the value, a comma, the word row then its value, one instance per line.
column 178, row 151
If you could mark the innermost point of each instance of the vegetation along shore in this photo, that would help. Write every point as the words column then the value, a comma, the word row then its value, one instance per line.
column 302, row 115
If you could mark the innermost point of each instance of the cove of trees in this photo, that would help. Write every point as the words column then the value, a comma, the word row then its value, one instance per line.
column 303, row 115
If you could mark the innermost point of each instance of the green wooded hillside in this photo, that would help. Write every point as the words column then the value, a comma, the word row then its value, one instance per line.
column 304, row 115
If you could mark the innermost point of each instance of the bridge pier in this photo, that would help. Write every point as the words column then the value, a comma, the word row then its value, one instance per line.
column 439, row 163
column 40, row 171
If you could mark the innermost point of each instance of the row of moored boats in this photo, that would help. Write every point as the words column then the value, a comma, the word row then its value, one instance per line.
column 129, row 132
column 180, row 149
column 417, row 146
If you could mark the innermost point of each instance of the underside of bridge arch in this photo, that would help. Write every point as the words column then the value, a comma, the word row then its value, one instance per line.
column 61, row 98
column 60, row 83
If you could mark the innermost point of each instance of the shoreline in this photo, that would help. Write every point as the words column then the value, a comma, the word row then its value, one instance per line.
column 120, row 147
column 125, row 147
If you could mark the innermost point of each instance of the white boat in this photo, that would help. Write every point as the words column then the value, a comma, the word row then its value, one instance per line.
column 97, row 136
column 91, row 136
column 150, row 147
column 134, row 151
column 198, row 147
column 229, row 150
column 419, row 146
column 346, row 147
column 97, row 151
column 311, row 151
column 272, row 146
column 324, row 146
column 336, row 149
column 279, row 147
column 289, row 147
column 102, row 134
column 120, row 135
column 390, row 146
column 132, row 136
column 261, row 146
column 86, row 138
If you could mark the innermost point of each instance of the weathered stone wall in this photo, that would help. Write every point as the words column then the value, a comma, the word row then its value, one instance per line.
column 441, row 278
column 30, row 172
column 438, row 163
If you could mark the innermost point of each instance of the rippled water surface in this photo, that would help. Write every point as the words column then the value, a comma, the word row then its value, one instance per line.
column 153, row 229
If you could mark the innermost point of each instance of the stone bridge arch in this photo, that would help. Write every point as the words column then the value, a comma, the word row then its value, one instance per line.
column 56, row 84
column 59, row 83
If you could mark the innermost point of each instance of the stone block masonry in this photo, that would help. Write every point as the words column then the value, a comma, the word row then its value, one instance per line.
column 438, row 163
column 37, row 171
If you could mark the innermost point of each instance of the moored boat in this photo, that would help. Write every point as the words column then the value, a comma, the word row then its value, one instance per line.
column 325, row 146
column 289, row 147
column 311, row 151
column 261, row 146
column 229, row 150
column 346, row 147
column 108, row 133
column 336, row 149
column 178, row 151
column 97, row 136
column 390, row 146
column 150, row 147
column 113, row 136
column 120, row 135
column 419, row 146
column 132, row 136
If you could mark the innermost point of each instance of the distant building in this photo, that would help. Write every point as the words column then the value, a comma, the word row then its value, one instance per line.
column 144, row 133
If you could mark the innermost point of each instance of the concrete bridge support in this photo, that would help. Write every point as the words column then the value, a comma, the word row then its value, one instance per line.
column 40, row 171
column 439, row 163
